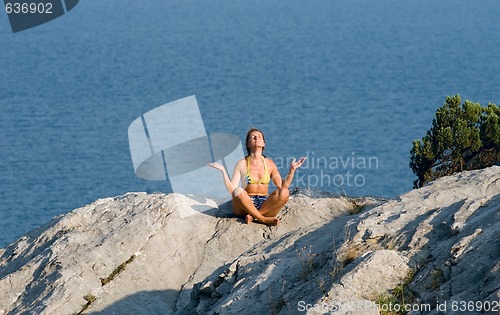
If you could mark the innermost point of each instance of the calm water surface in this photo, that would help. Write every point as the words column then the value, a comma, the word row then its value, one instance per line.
column 348, row 83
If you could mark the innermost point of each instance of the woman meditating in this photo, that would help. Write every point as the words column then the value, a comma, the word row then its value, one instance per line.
column 255, row 171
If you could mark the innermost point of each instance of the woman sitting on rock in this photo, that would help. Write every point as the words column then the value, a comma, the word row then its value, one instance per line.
column 255, row 172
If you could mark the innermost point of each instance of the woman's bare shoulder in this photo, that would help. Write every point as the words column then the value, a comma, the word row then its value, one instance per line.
column 241, row 163
column 270, row 162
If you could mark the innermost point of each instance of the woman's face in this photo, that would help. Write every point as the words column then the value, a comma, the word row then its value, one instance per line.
column 256, row 140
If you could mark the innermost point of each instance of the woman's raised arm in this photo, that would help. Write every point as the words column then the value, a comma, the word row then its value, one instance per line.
column 293, row 166
column 233, row 183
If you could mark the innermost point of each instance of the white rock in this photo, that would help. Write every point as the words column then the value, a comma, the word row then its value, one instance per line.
column 184, row 255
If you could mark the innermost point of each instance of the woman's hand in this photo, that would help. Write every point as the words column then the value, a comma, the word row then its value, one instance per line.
column 296, row 164
column 293, row 166
column 217, row 166
column 230, row 184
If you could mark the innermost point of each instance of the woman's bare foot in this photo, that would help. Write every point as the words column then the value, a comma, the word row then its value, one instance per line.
column 274, row 221
column 248, row 219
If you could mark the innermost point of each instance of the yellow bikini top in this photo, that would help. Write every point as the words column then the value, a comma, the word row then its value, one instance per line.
column 264, row 180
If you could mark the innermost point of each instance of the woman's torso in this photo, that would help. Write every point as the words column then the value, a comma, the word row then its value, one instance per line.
column 256, row 176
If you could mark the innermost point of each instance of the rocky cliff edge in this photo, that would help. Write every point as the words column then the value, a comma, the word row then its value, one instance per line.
column 427, row 251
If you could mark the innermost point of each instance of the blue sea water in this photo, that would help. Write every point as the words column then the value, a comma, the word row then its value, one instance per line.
column 350, row 84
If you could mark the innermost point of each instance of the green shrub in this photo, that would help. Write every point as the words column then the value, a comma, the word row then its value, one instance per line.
column 462, row 137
